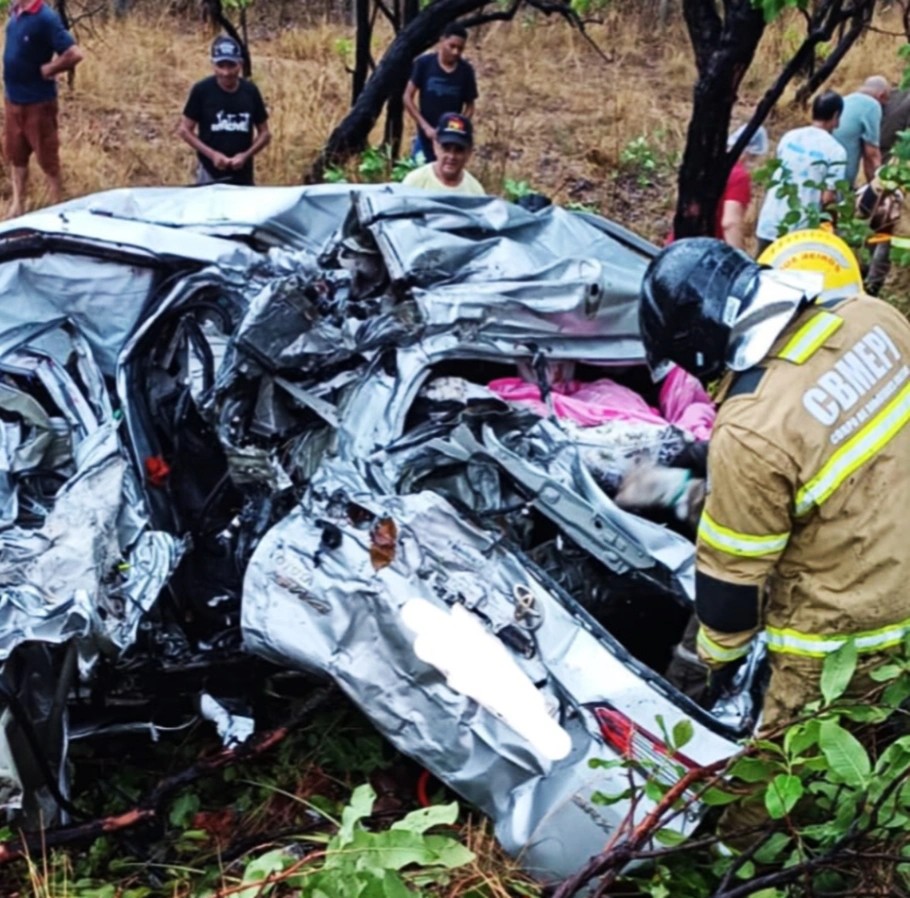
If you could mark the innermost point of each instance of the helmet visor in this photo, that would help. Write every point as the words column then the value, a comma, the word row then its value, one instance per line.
column 777, row 297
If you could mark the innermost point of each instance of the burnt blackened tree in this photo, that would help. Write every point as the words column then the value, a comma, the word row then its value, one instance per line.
column 399, row 14
column 724, row 37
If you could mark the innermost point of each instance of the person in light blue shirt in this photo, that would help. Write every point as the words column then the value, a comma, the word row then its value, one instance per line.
column 859, row 131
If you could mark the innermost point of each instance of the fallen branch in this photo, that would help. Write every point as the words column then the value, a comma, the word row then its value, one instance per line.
column 608, row 864
column 150, row 807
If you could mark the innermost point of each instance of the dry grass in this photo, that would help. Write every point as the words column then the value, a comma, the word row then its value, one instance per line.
column 552, row 112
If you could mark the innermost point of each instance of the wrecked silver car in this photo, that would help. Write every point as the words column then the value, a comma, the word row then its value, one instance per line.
column 331, row 429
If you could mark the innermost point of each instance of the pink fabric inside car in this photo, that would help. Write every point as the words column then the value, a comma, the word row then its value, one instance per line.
column 683, row 402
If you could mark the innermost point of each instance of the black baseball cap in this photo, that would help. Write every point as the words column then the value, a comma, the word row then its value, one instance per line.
column 226, row 49
column 455, row 128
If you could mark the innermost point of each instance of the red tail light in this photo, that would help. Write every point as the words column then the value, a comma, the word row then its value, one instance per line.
column 633, row 742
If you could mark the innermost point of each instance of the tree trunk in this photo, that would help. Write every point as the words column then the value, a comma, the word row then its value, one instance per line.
column 389, row 79
column 363, row 34
column 394, row 115
column 723, row 53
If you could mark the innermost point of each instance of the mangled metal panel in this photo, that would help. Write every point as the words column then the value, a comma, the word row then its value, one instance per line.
column 103, row 299
column 324, row 593
column 374, row 424
column 279, row 216
column 79, row 564
column 548, row 278
column 68, row 532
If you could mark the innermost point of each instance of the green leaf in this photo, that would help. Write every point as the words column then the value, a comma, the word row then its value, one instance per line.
column 421, row 820
column 896, row 693
column 848, row 760
column 773, row 8
column 194, row 835
column 612, row 764
column 745, row 870
column 105, row 891
column 669, row 837
column 864, row 713
column 783, row 793
column 261, row 868
column 771, row 850
column 360, row 806
column 801, row 736
column 886, row 671
column 608, row 799
column 393, row 849
column 769, row 747
column 655, row 790
column 753, row 770
column 894, row 760
column 683, row 731
column 716, row 797
column 897, row 821
column 837, row 671
column 184, row 807
column 448, row 852
column 389, row 886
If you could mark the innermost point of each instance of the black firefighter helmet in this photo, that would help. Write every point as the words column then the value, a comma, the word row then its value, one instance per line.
column 692, row 295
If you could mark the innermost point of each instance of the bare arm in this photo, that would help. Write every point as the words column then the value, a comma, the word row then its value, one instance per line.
column 263, row 138
column 827, row 198
column 186, row 131
column 468, row 109
column 872, row 160
column 65, row 62
column 410, row 104
column 731, row 222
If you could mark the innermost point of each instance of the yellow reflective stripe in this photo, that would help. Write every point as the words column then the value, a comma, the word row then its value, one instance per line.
column 855, row 452
column 746, row 545
column 717, row 652
column 813, row 645
column 803, row 344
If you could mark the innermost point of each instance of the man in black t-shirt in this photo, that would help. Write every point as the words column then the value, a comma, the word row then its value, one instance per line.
column 225, row 120
column 445, row 82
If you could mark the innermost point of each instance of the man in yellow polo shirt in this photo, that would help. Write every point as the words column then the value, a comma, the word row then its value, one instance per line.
column 454, row 143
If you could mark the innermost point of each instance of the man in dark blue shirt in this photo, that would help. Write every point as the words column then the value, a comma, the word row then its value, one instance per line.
column 38, row 48
column 445, row 82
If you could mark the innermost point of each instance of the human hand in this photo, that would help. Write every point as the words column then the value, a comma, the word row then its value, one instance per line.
column 238, row 161
column 47, row 72
column 652, row 486
column 220, row 161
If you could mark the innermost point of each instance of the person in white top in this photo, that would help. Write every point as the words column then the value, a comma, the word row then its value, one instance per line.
column 812, row 161
column 453, row 144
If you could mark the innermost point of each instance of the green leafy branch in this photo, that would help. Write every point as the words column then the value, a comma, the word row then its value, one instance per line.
column 359, row 862
column 835, row 785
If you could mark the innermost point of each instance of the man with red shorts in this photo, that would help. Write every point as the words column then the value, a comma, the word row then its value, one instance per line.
column 38, row 48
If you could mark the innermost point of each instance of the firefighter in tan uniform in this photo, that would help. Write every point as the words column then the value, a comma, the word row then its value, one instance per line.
column 808, row 467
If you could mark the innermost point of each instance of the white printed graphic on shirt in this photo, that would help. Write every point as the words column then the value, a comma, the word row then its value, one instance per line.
column 231, row 121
